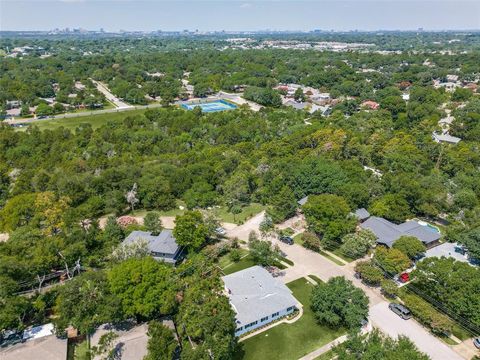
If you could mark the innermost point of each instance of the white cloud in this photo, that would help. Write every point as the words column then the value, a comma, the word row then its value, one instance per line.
column 246, row 6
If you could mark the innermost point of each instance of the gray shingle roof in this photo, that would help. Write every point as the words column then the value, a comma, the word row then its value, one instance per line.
column 163, row 243
column 387, row 232
column 362, row 214
column 255, row 294
column 303, row 201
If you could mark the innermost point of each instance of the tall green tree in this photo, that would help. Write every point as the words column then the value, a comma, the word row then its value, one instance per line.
column 190, row 230
column 339, row 303
column 145, row 287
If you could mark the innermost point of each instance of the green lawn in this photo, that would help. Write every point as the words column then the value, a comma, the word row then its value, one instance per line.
column 342, row 255
column 247, row 212
column 231, row 267
column 290, row 341
column 172, row 212
column 95, row 120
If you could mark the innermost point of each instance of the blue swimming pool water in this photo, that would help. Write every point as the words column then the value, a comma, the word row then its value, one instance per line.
column 433, row 228
column 211, row 106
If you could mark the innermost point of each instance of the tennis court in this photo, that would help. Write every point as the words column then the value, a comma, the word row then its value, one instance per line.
column 211, row 106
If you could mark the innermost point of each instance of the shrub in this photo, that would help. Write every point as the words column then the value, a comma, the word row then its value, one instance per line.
column 311, row 241
column 369, row 273
column 235, row 255
column 389, row 288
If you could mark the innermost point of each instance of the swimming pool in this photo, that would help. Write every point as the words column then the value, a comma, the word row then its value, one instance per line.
column 210, row 106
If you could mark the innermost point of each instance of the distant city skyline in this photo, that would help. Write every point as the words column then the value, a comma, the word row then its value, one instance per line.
column 339, row 15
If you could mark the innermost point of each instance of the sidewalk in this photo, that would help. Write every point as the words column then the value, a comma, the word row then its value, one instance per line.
column 325, row 348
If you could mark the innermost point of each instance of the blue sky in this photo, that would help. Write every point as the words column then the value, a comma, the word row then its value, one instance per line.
column 114, row 15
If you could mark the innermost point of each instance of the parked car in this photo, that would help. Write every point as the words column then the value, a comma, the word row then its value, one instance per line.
column 404, row 278
column 476, row 342
column 400, row 310
column 286, row 239
column 11, row 337
column 220, row 231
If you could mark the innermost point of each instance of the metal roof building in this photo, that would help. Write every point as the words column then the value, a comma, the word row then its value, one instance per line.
column 387, row 232
column 257, row 298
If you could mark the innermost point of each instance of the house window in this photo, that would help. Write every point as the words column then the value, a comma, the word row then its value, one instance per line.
column 275, row 314
column 290, row 308
column 264, row 319
column 240, row 328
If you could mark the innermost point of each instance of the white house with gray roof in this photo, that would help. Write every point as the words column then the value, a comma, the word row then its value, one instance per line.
column 387, row 232
column 257, row 298
column 162, row 247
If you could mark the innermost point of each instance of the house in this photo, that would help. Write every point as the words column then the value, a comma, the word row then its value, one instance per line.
column 387, row 232
column 296, row 105
column 162, row 247
column 369, row 104
column 445, row 138
column 361, row 214
column 257, row 298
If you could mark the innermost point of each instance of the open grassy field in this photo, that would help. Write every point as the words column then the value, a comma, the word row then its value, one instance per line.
column 247, row 212
column 290, row 341
column 95, row 120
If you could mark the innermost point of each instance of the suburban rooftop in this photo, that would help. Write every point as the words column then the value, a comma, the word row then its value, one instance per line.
column 255, row 294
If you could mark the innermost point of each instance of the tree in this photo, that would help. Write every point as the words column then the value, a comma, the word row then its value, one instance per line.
column 284, row 205
column 471, row 239
column 329, row 217
column 153, row 223
column 393, row 261
column 105, row 348
column 375, row 346
column 84, row 302
column 161, row 342
column 51, row 211
column 410, row 246
column 137, row 249
column 18, row 211
column 454, row 284
column 339, row 303
column 356, row 245
column 131, row 196
column 266, row 226
column 299, row 96
column 369, row 273
column 392, row 207
column 311, row 241
column 43, row 110
column 205, row 316
column 389, row 288
column 144, row 287
column 461, row 94
column 263, row 253
column 190, row 230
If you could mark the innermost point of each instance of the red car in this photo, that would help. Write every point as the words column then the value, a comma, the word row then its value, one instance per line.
column 404, row 277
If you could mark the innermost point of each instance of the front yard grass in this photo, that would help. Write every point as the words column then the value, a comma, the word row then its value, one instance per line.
column 246, row 261
column 229, row 267
column 290, row 341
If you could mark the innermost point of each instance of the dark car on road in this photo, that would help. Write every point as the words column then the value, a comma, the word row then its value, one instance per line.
column 400, row 310
column 10, row 337
column 476, row 342
column 286, row 239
